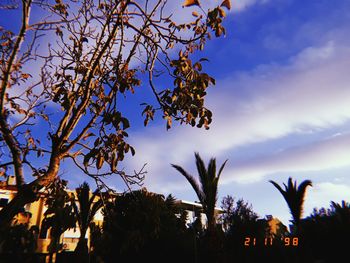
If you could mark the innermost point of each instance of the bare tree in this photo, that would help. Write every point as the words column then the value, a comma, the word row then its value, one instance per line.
column 98, row 52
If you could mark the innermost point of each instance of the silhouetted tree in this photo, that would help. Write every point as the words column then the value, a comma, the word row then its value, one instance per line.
column 141, row 225
column 326, row 233
column 294, row 196
column 20, row 239
column 59, row 215
column 207, row 189
column 96, row 243
column 85, row 212
column 341, row 212
column 235, row 214
column 240, row 222
column 19, row 243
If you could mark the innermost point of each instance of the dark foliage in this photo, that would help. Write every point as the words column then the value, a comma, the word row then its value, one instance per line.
column 240, row 221
column 20, row 239
column 84, row 213
column 19, row 244
column 326, row 233
column 59, row 215
column 142, row 225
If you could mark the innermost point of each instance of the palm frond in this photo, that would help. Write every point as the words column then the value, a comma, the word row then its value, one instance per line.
column 221, row 168
column 279, row 188
column 294, row 197
column 95, row 207
column 211, row 169
column 191, row 180
column 302, row 187
column 202, row 173
column 301, row 194
column 76, row 213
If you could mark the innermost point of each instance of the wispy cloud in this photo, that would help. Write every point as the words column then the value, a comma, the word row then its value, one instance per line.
column 308, row 94
column 240, row 5
column 326, row 154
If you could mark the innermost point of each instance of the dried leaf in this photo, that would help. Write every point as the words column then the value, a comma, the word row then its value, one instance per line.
column 190, row 3
column 222, row 12
column 59, row 32
column 100, row 161
column 227, row 4
column 114, row 162
column 169, row 122
column 125, row 122
column 25, row 75
column 132, row 151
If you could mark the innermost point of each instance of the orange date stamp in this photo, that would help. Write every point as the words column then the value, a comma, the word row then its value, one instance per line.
column 268, row 241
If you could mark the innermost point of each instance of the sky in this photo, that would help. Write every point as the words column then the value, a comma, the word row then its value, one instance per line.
column 281, row 107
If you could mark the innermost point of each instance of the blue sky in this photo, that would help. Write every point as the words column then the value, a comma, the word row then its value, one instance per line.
column 281, row 108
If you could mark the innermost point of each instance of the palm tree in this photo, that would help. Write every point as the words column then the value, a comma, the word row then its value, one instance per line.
column 294, row 197
column 59, row 215
column 207, row 189
column 341, row 212
column 85, row 214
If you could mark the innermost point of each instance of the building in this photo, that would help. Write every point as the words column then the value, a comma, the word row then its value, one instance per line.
column 33, row 215
column 195, row 210
column 276, row 227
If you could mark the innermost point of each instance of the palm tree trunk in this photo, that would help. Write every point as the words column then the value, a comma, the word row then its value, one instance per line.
column 81, row 250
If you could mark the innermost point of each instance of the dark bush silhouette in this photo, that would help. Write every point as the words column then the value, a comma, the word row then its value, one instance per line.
column 143, row 225
column 326, row 233
column 19, row 243
column 240, row 222
column 20, row 239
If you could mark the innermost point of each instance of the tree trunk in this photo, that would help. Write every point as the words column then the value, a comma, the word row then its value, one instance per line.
column 81, row 251
column 28, row 193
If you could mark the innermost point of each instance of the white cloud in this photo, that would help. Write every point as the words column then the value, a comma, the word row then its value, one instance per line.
column 309, row 94
column 240, row 5
column 327, row 154
column 320, row 195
